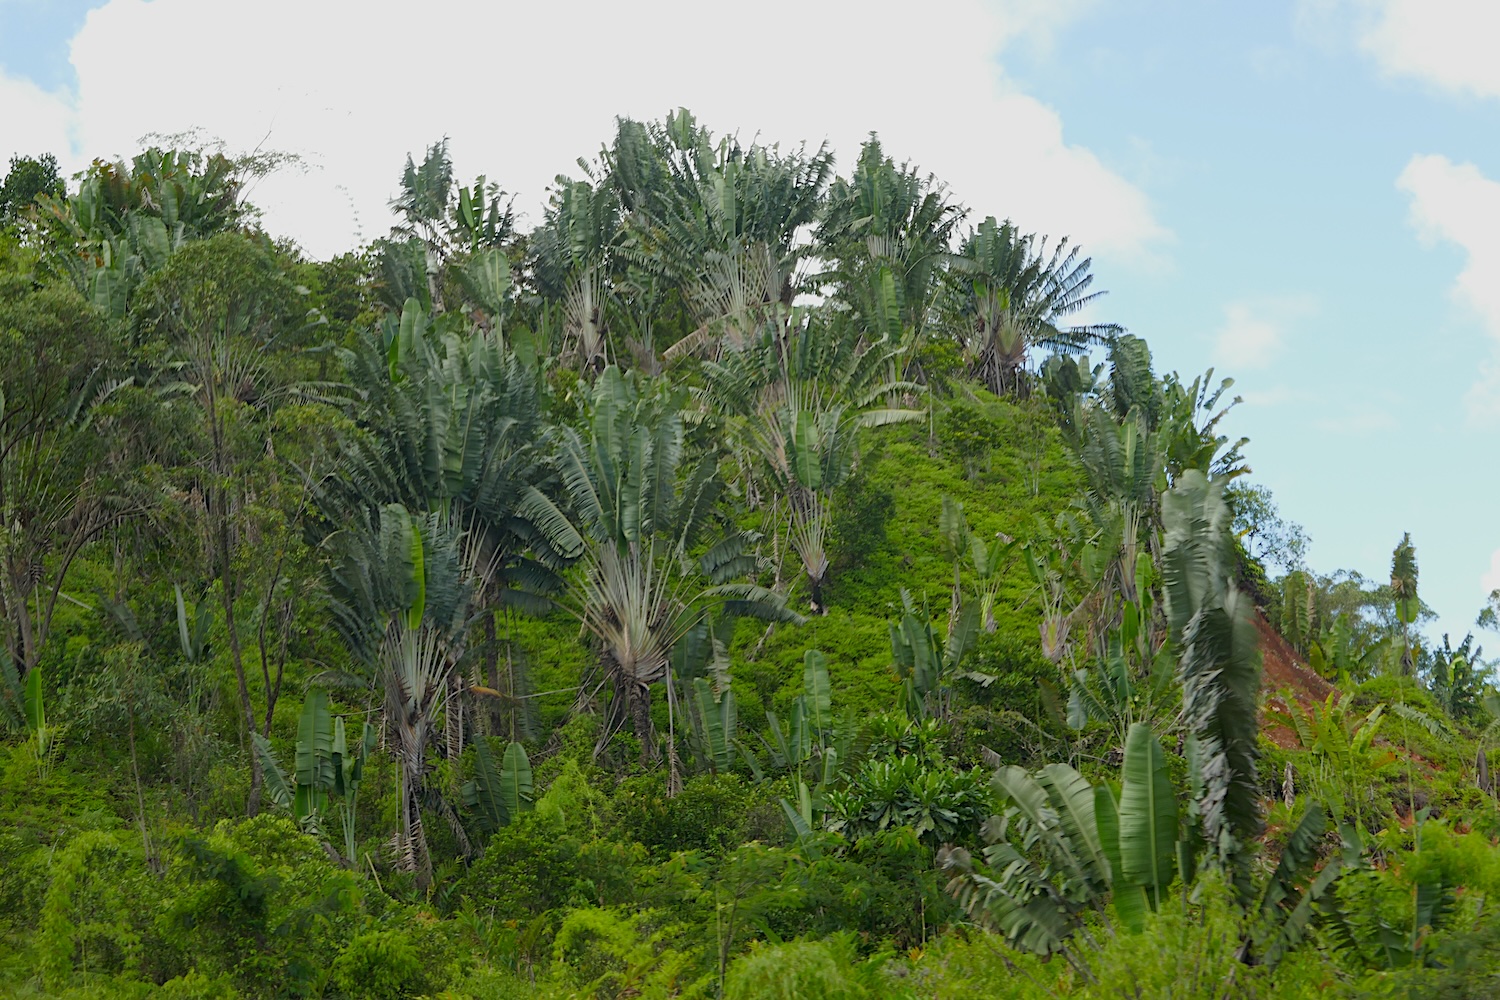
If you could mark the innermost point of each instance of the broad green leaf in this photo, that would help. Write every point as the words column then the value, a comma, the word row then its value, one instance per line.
column 516, row 791
column 714, row 720
column 818, row 689
column 1148, row 813
column 484, row 794
column 419, row 578
column 314, row 760
column 36, row 711
column 807, row 464
column 1072, row 800
column 1130, row 900
column 183, row 637
column 278, row 787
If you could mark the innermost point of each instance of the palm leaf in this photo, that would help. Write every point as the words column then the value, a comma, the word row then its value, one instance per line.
column 516, row 789
column 1129, row 899
column 277, row 785
column 818, row 689
column 1148, row 814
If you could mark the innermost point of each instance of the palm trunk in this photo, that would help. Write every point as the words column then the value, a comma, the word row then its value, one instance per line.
column 412, row 846
column 640, row 710
column 492, row 678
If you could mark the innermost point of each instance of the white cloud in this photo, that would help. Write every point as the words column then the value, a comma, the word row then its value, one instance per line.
column 1253, row 330
column 524, row 89
column 1039, row 21
column 1360, row 419
column 1454, row 202
column 1246, row 340
column 1490, row 581
column 1276, row 395
column 1448, row 43
column 33, row 121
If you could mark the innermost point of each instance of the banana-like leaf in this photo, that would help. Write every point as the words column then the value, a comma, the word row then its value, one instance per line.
column 818, row 689
column 407, row 337
column 801, row 731
column 1072, row 800
column 806, row 459
column 315, row 743
column 277, row 785
column 486, row 277
column 953, row 526
column 340, row 757
column 183, row 637
column 1148, row 814
column 884, row 417
column 419, row 578
column 778, row 747
column 482, row 794
column 313, row 766
column 36, row 710
column 799, row 823
column 1219, row 665
column 516, row 790
column 1294, row 927
column 961, row 637
column 716, row 721
column 499, row 794
column 1130, row 900
column 1299, row 853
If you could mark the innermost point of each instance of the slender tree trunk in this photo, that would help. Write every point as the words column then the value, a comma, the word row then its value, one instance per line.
column 23, row 651
column 140, row 798
column 217, row 497
column 640, row 708
column 247, row 708
column 273, row 684
column 674, row 763
column 414, row 848
column 492, row 676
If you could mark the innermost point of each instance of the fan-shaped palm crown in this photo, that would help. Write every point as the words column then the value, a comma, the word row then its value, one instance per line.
column 1009, row 295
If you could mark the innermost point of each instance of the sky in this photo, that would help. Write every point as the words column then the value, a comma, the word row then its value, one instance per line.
column 1301, row 194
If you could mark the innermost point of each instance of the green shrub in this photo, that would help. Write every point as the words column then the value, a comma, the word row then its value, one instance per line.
column 96, row 907
column 612, row 953
column 502, row 984
column 23, row 881
column 257, row 901
column 380, row 965
column 196, row 986
column 527, row 868
column 861, row 511
column 708, row 815
column 798, row 970
column 971, row 432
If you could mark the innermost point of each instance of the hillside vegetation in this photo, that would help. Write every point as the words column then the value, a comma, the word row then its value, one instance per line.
column 751, row 582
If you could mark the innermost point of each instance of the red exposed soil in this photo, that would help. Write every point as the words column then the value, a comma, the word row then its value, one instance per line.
column 1281, row 670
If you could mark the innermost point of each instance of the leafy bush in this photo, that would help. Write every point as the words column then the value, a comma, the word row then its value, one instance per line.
column 798, row 970
column 707, row 815
column 380, row 965
column 861, row 511
column 940, row 804
column 971, row 432
column 526, row 869
column 610, row 953
column 257, row 901
column 96, row 907
column 197, row 986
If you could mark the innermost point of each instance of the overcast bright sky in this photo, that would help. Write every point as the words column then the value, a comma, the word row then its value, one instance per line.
column 1303, row 193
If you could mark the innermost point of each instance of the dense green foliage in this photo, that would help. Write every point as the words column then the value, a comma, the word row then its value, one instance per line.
column 742, row 584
